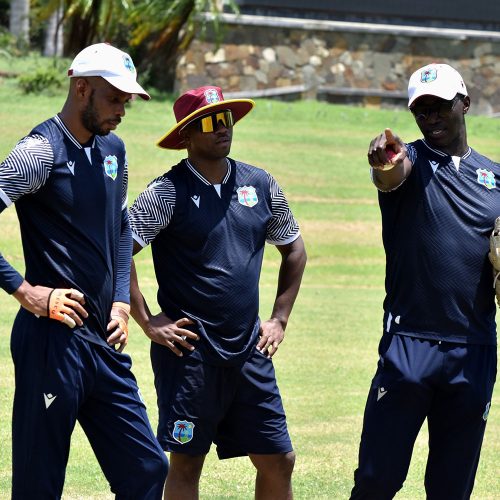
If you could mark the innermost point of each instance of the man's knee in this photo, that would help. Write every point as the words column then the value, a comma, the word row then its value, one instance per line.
column 278, row 464
column 186, row 467
column 287, row 463
column 368, row 487
column 147, row 482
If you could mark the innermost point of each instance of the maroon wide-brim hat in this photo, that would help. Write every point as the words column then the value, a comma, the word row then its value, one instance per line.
column 199, row 102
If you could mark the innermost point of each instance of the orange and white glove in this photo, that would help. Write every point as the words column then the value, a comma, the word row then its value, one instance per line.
column 120, row 313
column 61, row 305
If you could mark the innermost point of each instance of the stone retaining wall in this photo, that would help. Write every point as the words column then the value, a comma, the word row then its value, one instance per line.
column 334, row 59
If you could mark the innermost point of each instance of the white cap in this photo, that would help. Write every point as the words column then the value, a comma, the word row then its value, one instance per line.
column 110, row 63
column 439, row 80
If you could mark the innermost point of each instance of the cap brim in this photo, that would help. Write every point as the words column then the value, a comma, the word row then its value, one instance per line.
column 127, row 85
column 238, row 107
column 446, row 93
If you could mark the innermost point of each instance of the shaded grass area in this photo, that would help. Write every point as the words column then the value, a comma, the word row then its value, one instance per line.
column 317, row 152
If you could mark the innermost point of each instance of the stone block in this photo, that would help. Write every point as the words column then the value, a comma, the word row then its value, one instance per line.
column 269, row 54
column 337, row 69
column 303, row 56
column 286, row 56
column 217, row 57
column 482, row 49
column 315, row 61
column 261, row 77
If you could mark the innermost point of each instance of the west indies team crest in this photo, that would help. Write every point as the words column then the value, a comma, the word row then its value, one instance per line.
column 111, row 166
column 212, row 96
column 486, row 178
column 183, row 431
column 428, row 75
column 127, row 62
column 247, row 196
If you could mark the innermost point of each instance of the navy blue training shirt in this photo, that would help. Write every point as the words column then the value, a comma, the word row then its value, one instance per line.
column 436, row 229
column 71, row 203
column 207, row 244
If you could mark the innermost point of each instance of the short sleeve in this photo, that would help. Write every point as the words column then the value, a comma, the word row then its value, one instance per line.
column 125, row 186
column 26, row 169
column 282, row 228
column 152, row 210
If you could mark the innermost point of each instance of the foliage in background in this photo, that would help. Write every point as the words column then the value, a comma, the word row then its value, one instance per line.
column 46, row 79
column 162, row 31
column 87, row 21
column 8, row 43
column 156, row 32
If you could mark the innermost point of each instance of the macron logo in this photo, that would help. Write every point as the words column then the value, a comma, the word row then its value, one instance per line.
column 49, row 399
column 196, row 200
column 71, row 167
column 381, row 393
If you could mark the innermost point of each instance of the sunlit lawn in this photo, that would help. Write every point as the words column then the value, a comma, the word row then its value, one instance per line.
column 317, row 152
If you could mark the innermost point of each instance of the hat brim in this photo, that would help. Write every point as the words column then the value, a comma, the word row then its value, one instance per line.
column 238, row 107
column 447, row 93
column 127, row 85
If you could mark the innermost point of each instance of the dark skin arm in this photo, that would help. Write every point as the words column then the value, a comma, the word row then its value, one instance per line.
column 159, row 328
column 388, row 158
column 293, row 261
column 35, row 299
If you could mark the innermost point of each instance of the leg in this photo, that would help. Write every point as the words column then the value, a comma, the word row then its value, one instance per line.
column 255, row 425
column 396, row 408
column 274, row 476
column 457, row 421
column 115, row 421
column 49, row 387
column 183, row 478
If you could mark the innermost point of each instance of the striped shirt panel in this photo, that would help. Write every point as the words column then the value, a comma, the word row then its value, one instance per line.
column 152, row 210
column 125, row 185
column 282, row 228
column 26, row 168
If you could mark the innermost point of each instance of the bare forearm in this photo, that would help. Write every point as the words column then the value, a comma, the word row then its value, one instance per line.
column 139, row 309
column 290, row 277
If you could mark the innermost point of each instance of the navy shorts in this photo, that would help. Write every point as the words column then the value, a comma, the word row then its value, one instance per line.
column 447, row 383
column 61, row 378
column 237, row 408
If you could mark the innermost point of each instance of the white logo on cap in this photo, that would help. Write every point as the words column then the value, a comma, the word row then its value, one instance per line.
column 212, row 96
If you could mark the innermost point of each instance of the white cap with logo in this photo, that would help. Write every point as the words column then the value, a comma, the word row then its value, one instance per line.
column 112, row 64
column 440, row 80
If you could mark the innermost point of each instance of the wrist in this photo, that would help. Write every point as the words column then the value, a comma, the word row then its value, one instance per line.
column 282, row 321
column 22, row 293
column 120, row 310
column 123, row 306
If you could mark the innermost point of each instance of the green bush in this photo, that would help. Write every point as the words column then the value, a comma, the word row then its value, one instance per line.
column 48, row 80
column 7, row 42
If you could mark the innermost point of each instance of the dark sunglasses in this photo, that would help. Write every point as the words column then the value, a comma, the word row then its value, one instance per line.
column 210, row 123
column 443, row 109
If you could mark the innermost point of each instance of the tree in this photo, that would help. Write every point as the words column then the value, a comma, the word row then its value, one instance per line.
column 19, row 20
column 86, row 21
column 156, row 31
column 53, row 42
column 163, row 30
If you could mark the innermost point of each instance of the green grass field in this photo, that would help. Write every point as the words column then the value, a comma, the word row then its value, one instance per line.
column 317, row 152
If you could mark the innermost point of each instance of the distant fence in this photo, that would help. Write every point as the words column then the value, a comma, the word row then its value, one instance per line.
column 338, row 61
